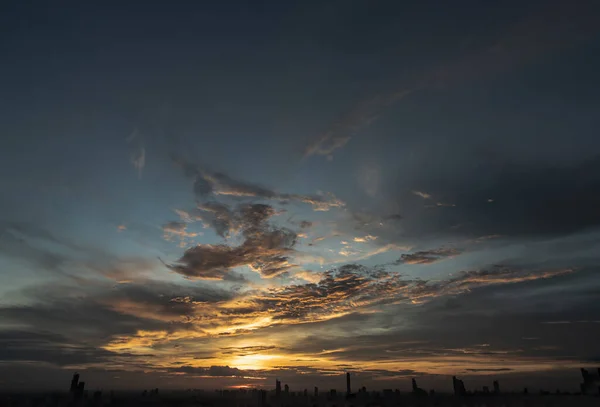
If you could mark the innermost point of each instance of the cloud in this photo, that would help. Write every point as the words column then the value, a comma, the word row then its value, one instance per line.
column 365, row 239
column 428, row 256
column 423, row 195
column 468, row 280
column 138, row 155
column 265, row 249
column 214, row 371
column 305, row 224
column 369, row 179
column 352, row 122
column 160, row 301
column 124, row 271
column 175, row 322
column 49, row 348
column 138, row 159
column 555, row 27
column 309, row 276
column 533, row 199
column 208, row 183
column 339, row 292
column 177, row 229
column 246, row 350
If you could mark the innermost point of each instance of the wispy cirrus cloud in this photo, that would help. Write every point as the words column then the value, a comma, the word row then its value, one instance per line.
column 208, row 183
column 428, row 256
column 179, row 230
column 350, row 123
column 551, row 29
column 138, row 154
column 422, row 194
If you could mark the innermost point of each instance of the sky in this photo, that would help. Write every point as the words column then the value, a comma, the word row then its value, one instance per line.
column 218, row 194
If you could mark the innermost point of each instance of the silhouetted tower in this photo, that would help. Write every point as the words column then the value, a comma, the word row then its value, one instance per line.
column 80, row 389
column 316, row 391
column 486, row 389
column 416, row 390
column 286, row 389
column 459, row 387
column 74, row 383
column 277, row 388
column 348, row 388
column 496, row 387
column 591, row 382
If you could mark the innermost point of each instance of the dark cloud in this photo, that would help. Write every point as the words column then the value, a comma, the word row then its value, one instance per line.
column 265, row 249
column 390, row 373
column 160, row 301
column 94, row 313
column 507, row 199
column 305, row 224
column 267, row 253
column 247, row 350
column 500, row 369
column 215, row 371
column 36, row 246
column 86, row 320
column 208, row 183
column 51, row 348
column 468, row 280
column 218, row 216
column 428, row 256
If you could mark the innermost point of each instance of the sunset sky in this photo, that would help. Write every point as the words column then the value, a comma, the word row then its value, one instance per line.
column 216, row 194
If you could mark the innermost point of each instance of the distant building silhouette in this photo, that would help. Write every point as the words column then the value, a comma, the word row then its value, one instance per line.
column 416, row 390
column 277, row 388
column 348, row 386
column 459, row 387
column 316, row 391
column 591, row 382
column 496, row 387
column 333, row 393
column 74, row 383
column 305, row 392
column 286, row 389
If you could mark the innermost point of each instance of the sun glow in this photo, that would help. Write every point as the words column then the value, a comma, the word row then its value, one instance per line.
column 253, row 362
